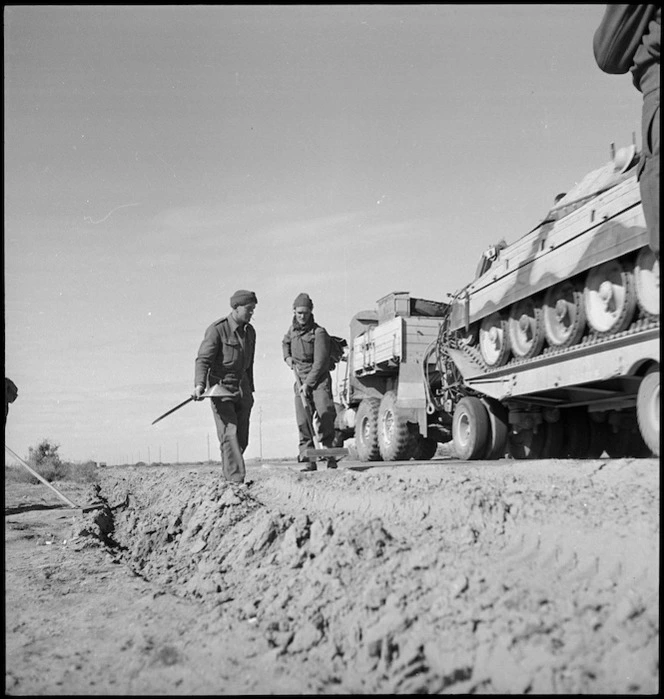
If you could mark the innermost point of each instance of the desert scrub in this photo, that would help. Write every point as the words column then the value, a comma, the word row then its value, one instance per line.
column 45, row 460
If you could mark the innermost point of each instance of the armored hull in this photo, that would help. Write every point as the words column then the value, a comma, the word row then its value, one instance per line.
column 586, row 269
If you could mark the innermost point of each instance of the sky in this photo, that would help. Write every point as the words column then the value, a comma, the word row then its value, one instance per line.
column 158, row 158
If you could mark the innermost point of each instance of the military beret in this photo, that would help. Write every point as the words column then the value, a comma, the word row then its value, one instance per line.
column 242, row 298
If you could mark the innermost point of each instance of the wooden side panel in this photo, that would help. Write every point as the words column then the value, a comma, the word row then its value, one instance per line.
column 396, row 341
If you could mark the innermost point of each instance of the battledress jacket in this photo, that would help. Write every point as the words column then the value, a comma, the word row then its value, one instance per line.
column 310, row 350
column 226, row 356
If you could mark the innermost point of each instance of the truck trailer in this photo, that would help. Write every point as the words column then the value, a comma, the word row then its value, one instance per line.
column 551, row 351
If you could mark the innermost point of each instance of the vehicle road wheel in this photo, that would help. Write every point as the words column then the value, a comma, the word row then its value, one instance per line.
column 395, row 439
column 526, row 329
column 498, row 429
column 564, row 317
column 609, row 297
column 366, row 430
column 470, row 429
column 494, row 340
column 647, row 409
column 646, row 278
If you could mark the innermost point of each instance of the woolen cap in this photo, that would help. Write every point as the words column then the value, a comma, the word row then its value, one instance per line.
column 303, row 300
column 242, row 298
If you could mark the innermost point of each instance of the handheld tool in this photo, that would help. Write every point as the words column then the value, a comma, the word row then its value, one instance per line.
column 319, row 452
column 216, row 391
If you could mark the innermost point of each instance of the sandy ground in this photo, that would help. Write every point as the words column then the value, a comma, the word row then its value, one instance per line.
column 440, row 577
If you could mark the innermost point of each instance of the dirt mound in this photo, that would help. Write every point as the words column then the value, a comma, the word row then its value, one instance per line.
column 520, row 578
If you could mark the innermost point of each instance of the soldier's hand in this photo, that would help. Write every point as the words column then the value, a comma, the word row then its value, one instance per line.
column 305, row 390
column 289, row 361
column 198, row 393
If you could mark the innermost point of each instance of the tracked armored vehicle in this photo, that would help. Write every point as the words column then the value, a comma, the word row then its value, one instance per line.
column 551, row 351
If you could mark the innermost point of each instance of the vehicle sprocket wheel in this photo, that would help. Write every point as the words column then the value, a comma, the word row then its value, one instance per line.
column 395, row 438
column 525, row 329
column 366, row 430
column 646, row 278
column 609, row 297
column 494, row 340
column 470, row 428
column 647, row 409
column 563, row 314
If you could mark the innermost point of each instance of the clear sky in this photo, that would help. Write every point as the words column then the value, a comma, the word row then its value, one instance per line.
column 157, row 158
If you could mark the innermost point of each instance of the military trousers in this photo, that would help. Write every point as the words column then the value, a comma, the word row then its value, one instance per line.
column 231, row 419
column 321, row 399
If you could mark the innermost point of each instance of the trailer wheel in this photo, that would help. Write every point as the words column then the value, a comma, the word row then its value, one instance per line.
column 577, row 433
column 637, row 446
column 395, row 439
column 498, row 429
column 617, row 442
column 554, row 440
column 366, row 430
column 470, row 429
column 599, row 434
column 647, row 409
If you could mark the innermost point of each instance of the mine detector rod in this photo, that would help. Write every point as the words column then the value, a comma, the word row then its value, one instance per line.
column 216, row 391
column 42, row 479
column 312, row 419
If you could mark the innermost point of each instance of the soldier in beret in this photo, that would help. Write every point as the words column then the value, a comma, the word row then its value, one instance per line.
column 306, row 350
column 226, row 359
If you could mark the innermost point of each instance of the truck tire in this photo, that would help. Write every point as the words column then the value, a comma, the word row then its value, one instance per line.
column 647, row 409
column 498, row 429
column 470, row 429
column 577, row 433
column 554, row 440
column 395, row 438
column 366, row 430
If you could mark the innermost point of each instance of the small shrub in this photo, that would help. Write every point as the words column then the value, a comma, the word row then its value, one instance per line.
column 83, row 473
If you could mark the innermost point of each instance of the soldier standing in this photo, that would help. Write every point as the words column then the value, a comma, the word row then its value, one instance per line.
column 226, row 358
column 306, row 350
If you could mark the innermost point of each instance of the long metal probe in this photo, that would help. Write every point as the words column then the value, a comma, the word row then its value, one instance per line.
column 42, row 479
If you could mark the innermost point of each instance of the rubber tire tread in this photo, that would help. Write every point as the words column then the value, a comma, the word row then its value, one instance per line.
column 479, row 428
column 367, row 450
column 401, row 445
